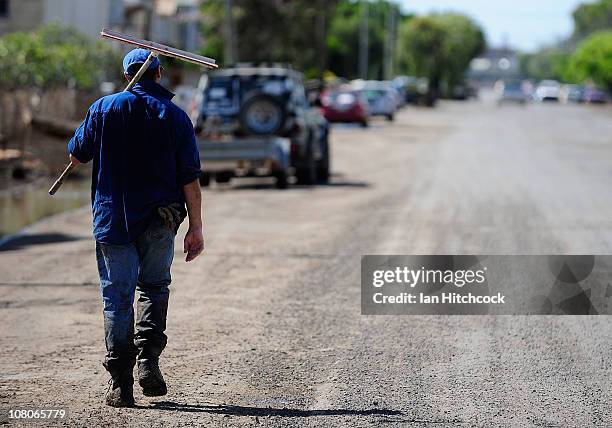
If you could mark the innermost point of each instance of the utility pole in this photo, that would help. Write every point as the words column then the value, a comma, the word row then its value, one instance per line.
column 229, row 44
column 321, row 24
column 363, row 40
column 149, row 10
column 390, row 39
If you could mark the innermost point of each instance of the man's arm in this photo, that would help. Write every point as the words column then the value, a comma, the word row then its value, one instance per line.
column 194, row 241
column 189, row 171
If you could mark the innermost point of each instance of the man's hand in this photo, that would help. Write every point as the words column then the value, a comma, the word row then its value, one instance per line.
column 73, row 160
column 194, row 243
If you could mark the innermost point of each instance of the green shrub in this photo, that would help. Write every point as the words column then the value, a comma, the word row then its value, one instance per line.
column 55, row 56
column 592, row 60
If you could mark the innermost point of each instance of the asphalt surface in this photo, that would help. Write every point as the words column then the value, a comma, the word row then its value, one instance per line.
column 265, row 327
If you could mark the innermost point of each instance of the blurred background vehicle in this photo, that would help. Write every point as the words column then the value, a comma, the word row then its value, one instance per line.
column 572, row 93
column 548, row 90
column 512, row 90
column 380, row 96
column 583, row 94
column 594, row 95
column 463, row 91
column 414, row 90
column 401, row 88
column 255, row 112
column 400, row 100
column 185, row 98
column 345, row 105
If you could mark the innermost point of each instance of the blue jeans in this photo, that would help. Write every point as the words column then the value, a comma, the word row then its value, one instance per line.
column 142, row 265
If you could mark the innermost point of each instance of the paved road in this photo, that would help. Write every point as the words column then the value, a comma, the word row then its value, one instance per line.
column 265, row 328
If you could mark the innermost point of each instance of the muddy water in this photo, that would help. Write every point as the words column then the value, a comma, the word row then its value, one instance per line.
column 24, row 204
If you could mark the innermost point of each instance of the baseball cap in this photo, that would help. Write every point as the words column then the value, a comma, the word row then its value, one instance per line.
column 134, row 60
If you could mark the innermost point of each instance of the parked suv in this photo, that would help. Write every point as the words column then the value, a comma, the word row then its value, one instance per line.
column 259, row 108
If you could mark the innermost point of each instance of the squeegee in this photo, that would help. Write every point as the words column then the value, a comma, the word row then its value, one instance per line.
column 156, row 50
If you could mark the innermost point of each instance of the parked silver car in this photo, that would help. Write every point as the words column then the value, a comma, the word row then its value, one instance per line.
column 512, row 90
column 382, row 98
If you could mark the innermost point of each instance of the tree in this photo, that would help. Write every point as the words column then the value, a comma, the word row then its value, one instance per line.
column 463, row 42
column 343, row 37
column 562, row 61
column 211, row 27
column 422, row 49
column 343, row 40
column 547, row 63
column 440, row 47
column 592, row 17
column 593, row 60
column 313, row 35
column 272, row 31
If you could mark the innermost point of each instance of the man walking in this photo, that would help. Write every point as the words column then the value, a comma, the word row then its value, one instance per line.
column 146, row 168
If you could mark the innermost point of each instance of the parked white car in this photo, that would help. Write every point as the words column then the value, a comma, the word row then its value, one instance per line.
column 548, row 90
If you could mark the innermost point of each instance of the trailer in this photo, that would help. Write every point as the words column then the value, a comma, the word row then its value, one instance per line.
column 253, row 156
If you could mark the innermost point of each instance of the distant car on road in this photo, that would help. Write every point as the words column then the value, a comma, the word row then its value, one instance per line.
column 583, row 94
column 400, row 84
column 463, row 91
column 514, row 90
column 381, row 97
column 345, row 105
column 398, row 95
column 548, row 90
column 593, row 95
column 414, row 90
column 572, row 93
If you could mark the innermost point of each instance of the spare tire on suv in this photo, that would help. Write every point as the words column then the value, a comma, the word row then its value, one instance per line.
column 262, row 114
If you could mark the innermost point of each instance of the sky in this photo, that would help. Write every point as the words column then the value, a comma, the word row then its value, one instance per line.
column 523, row 24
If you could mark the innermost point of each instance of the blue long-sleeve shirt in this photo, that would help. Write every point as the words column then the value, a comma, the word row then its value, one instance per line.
column 143, row 150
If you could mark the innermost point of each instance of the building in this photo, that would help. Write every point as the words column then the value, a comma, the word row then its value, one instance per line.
column 494, row 64
column 25, row 15
column 173, row 22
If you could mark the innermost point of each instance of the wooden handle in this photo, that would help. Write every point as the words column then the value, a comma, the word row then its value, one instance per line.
column 58, row 183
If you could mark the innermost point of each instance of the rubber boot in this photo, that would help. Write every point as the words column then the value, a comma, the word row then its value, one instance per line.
column 150, row 378
column 121, row 389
